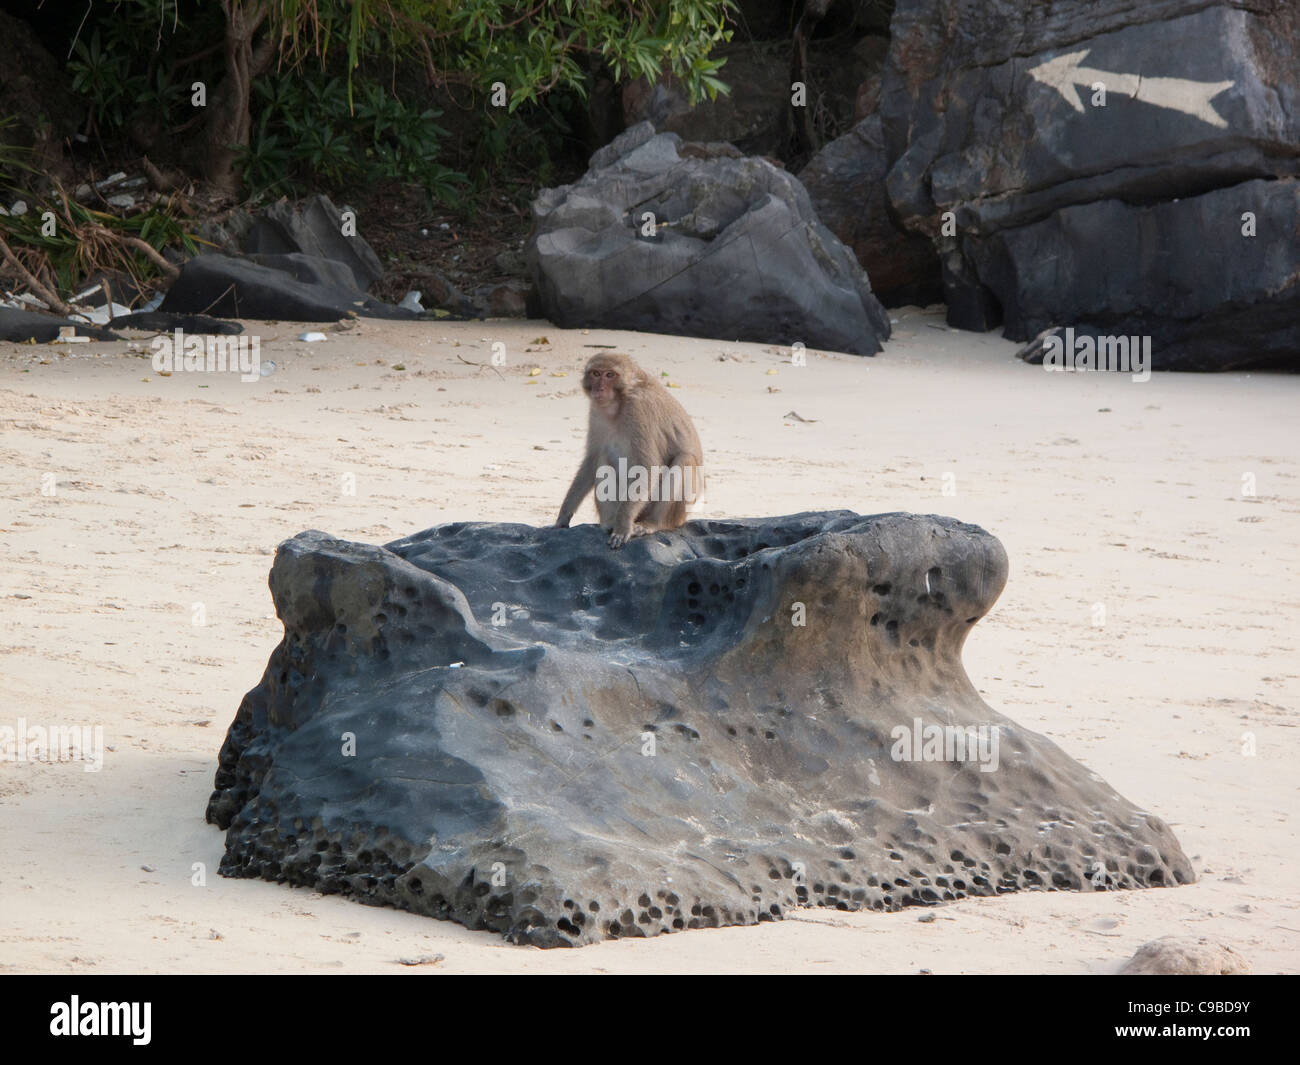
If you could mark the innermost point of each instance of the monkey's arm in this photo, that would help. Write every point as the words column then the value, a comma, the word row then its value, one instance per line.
column 583, row 482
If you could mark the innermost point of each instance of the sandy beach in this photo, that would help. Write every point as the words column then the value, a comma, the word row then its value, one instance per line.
column 135, row 504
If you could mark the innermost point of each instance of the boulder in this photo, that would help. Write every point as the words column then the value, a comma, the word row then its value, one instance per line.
column 285, row 288
column 315, row 229
column 1185, row 956
column 1093, row 154
column 521, row 730
column 846, row 184
column 737, row 252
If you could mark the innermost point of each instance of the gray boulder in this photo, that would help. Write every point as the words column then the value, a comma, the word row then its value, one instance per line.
column 284, row 288
column 1071, row 208
column 737, row 252
column 314, row 229
column 523, row 731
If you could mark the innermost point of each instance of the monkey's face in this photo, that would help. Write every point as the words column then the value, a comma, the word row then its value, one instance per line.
column 604, row 385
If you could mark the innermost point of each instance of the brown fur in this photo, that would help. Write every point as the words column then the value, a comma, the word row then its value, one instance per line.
column 633, row 417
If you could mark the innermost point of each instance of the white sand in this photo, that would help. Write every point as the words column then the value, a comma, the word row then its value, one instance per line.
column 175, row 490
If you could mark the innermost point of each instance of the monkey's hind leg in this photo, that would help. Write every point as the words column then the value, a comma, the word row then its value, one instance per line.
column 680, row 483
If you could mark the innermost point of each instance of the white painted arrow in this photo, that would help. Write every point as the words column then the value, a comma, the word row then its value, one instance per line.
column 1179, row 94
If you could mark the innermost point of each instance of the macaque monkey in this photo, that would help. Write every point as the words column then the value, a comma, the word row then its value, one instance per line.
column 643, row 458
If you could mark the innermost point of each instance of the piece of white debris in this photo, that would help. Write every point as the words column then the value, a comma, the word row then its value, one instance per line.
column 311, row 338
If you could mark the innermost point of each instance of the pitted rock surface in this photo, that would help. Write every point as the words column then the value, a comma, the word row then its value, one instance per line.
column 522, row 730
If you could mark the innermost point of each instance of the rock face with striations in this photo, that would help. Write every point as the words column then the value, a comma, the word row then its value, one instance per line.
column 1114, row 168
column 737, row 252
column 523, row 731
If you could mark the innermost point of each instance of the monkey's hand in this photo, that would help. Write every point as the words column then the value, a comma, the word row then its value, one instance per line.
column 618, row 539
column 562, row 522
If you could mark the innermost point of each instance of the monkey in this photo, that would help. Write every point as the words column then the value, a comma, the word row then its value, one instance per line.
column 634, row 424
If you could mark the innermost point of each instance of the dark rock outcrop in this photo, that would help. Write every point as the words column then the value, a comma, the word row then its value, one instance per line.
column 523, row 731
column 737, row 251
column 285, row 288
column 846, row 183
column 1073, row 212
column 314, row 229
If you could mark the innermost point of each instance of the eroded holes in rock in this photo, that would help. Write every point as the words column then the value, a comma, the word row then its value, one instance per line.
column 341, row 629
column 891, row 627
column 1002, row 847
column 731, row 731
column 672, row 899
column 567, row 927
column 769, row 735
column 678, row 923
column 556, row 726
column 478, row 697
column 914, row 643
column 415, row 885
column 714, row 589
column 627, row 918
column 503, row 708
column 655, row 912
column 882, row 589
column 740, row 582
column 409, row 591
column 593, row 906
column 1157, row 876
column 692, row 604
column 693, row 588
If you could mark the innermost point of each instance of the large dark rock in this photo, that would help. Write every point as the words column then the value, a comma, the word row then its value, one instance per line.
column 521, row 730
column 285, row 288
column 314, row 229
column 988, row 112
column 846, row 183
column 738, row 252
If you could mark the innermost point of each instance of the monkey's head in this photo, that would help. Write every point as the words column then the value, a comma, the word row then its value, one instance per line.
column 608, row 379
